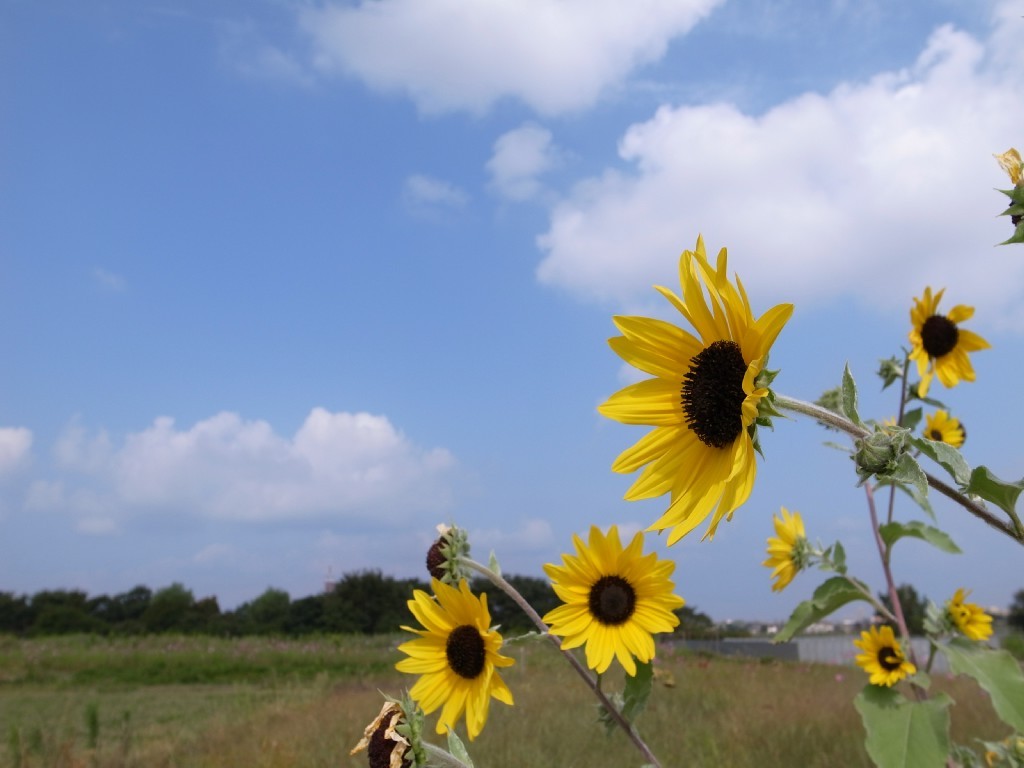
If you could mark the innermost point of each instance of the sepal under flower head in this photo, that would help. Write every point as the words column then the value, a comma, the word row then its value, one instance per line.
column 446, row 555
column 969, row 618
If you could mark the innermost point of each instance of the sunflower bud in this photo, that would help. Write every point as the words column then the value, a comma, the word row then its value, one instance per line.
column 879, row 453
column 443, row 556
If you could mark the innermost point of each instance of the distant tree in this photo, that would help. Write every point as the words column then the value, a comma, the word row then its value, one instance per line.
column 57, row 619
column 305, row 616
column 505, row 612
column 170, row 608
column 368, row 602
column 266, row 615
column 695, row 625
column 1016, row 616
column 913, row 605
column 15, row 613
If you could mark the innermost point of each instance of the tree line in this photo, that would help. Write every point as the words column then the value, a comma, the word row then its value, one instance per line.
column 363, row 602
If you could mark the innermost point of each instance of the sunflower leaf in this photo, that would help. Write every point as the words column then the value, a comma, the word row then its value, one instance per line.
column 493, row 563
column 902, row 733
column 946, row 456
column 995, row 671
column 637, row 690
column 1018, row 235
column 909, row 471
column 850, row 397
column 893, row 532
column 991, row 488
column 458, row 749
column 830, row 596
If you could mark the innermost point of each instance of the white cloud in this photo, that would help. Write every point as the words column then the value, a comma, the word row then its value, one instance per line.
column 345, row 465
column 109, row 281
column 555, row 55
column 15, row 448
column 520, row 157
column 875, row 189
column 420, row 191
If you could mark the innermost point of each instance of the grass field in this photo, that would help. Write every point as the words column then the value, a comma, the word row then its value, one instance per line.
column 160, row 701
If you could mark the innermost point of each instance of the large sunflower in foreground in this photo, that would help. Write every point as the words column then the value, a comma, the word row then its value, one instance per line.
column 456, row 654
column 943, row 428
column 969, row 618
column 788, row 550
column 939, row 344
column 703, row 400
column 614, row 599
column 883, row 657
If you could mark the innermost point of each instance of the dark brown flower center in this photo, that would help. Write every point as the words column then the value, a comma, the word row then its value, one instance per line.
column 712, row 394
column 889, row 659
column 939, row 335
column 436, row 559
column 935, row 435
column 612, row 600
column 465, row 651
column 379, row 751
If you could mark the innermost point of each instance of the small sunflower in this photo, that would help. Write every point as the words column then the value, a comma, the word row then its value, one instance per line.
column 940, row 345
column 456, row 654
column 788, row 551
column 943, row 428
column 969, row 618
column 385, row 747
column 613, row 600
column 703, row 401
column 883, row 658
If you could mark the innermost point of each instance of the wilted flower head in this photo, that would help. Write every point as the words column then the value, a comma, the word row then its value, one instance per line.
column 1010, row 162
column 969, row 618
column 385, row 746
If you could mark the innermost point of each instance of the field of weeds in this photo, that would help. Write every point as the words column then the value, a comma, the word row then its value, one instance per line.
column 164, row 701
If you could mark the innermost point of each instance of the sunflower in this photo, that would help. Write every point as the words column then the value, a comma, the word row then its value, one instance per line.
column 883, row 658
column 940, row 346
column 943, row 428
column 969, row 618
column 456, row 654
column 613, row 599
column 789, row 551
column 703, row 401
column 386, row 748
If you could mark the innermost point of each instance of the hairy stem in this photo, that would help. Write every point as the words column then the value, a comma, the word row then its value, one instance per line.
column 899, row 421
column 591, row 681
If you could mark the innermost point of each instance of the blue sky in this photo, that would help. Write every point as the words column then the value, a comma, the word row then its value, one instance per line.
column 286, row 284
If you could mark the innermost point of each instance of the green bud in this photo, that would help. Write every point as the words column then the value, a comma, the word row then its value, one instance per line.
column 879, row 453
column 890, row 370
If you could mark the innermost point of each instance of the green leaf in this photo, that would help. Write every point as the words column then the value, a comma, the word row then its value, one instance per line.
column 850, row 396
column 493, row 563
column 909, row 471
column 946, row 456
column 1018, row 235
column 1000, row 492
column 458, row 749
column 637, row 691
column 911, row 419
column 831, row 595
column 893, row 532
column 997, row 672
column 904, row 733
column 839, row 559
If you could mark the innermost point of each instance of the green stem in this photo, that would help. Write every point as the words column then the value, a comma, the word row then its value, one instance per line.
column 591, row 681
column 832, row 419
column 899, row 422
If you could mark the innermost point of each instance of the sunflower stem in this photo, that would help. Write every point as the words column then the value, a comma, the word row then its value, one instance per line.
column 592, row 682
column 899, row 423
column 832, row 419
column 442, row 757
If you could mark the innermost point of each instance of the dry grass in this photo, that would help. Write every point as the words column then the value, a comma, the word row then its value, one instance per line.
column 720, row 712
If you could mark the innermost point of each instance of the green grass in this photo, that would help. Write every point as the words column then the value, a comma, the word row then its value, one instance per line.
column 158, row 702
